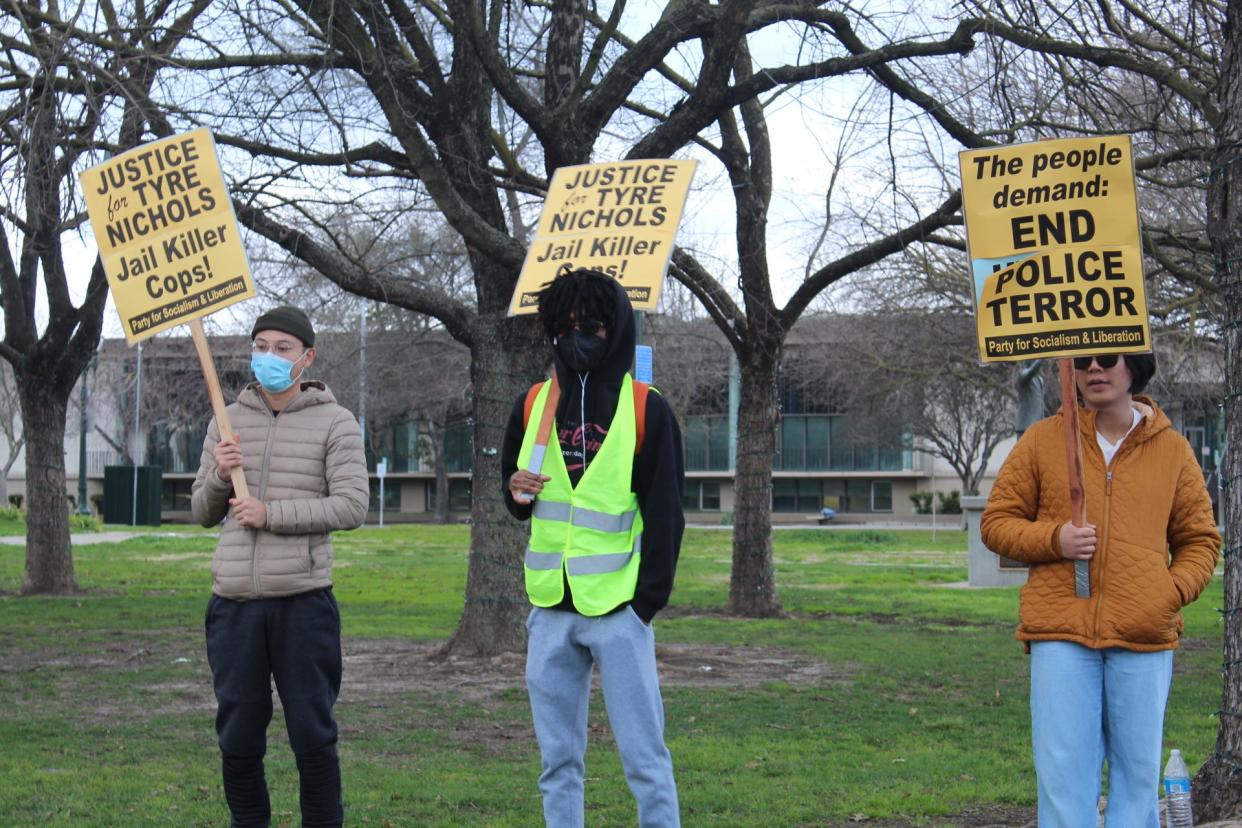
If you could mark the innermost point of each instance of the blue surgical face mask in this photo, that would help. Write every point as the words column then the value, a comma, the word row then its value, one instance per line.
column 274, row 373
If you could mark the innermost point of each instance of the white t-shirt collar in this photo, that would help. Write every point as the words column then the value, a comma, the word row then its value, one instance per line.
column 1110, row 449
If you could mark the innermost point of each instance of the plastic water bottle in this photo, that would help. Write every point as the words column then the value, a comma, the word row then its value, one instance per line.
column 1178, row 813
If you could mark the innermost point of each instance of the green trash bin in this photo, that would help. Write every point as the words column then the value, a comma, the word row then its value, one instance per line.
column 118, row 504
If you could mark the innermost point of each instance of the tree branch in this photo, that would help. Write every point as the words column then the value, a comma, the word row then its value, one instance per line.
column 406, row 294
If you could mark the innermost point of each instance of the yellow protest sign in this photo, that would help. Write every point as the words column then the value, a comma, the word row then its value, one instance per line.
column 619, row 218
column 166, row 233
column 1052, row 235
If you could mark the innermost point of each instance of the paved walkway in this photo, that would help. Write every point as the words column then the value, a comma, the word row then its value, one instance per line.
column 947, row 523
column 84, row 538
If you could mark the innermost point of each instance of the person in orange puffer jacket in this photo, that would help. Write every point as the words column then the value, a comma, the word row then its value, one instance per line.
column 1101, row 666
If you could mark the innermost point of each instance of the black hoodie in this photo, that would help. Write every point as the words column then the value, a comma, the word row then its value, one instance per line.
column 658, row 478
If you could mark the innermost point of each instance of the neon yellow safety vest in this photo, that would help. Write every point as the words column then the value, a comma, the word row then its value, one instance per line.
column 591, row 534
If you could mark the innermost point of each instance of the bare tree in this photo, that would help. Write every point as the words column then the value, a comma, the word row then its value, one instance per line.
column 66, row 90
column 457, row 106
column 174, row 408
column 690, row 364
column 757, row 330
column 927, row 383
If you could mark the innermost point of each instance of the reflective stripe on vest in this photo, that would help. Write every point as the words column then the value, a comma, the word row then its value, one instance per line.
column 543, row 560
column 584, row 564
column 591, row 534
column 602, row 521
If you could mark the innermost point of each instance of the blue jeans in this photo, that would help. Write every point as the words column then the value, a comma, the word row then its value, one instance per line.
column 1091, row 705
column 561, row 649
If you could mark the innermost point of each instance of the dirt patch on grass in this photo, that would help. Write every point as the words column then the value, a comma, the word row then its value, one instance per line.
column 981, row 816
column 1199, row 645
column 380, row 673
column 378, row 667
column 166, row 673
column 996, row 816
column 172, row 557
column 694, row 665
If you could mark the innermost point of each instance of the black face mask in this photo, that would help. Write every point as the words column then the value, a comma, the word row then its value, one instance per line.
column 582, row 352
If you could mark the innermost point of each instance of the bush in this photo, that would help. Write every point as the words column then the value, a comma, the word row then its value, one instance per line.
column 726, row 518
column 951, row 503
column 97, row 501
column 11, row 513
column 86, row 523
column 922, row 502
column 16, row 500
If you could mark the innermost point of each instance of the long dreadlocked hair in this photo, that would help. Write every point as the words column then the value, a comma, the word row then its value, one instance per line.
column 587, row 294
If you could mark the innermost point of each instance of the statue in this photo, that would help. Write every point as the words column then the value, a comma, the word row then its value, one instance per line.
column 1030, row 394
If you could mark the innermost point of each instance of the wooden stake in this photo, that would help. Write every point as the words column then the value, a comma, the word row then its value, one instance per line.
column 217, row 399
column 1073, row 464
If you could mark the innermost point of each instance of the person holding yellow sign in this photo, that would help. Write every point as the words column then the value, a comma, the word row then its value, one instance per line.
column 1101, row 665
column 604, row 504
column 272, row 613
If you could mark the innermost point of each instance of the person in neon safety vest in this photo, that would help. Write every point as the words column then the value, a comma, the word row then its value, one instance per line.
column 606, row 527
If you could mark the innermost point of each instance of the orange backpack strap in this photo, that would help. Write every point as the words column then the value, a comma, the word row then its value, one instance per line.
column 641, row 389
column 640, row 413
column 530, row 403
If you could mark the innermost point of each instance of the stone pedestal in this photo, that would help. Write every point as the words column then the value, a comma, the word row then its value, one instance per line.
column 986, row 568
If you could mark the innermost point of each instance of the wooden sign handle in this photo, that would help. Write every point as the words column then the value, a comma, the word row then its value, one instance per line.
column 1073, row 464
column 217, row 399
column 543, row 435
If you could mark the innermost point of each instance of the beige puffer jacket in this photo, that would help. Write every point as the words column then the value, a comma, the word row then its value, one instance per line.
column 1157, row 541
column 307, row 466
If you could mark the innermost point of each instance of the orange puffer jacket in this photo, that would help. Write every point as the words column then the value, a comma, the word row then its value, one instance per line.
column 1157, row 543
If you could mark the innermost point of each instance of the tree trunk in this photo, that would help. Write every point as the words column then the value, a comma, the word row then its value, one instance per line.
column 752, row 583
column 493, row 620
column 49, row 555
column 1218, row 785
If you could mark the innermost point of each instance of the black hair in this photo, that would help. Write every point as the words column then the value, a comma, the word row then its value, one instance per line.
column 1142, row 369
column 586, row 294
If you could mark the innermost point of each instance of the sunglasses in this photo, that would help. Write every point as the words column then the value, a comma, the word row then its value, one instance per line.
column 588, row 326
column 1105, row 361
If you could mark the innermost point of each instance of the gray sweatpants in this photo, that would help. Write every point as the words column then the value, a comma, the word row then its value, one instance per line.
column 561, row 649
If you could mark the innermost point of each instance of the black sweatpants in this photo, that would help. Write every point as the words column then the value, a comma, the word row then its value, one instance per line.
column 297, row 641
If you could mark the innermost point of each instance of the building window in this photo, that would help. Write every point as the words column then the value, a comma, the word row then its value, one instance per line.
column 175, row 448
column 823, row 442
column 459, row 495
column 809, row 495
column 459, row 449
column 711, row 495
column 701, row 496
column 793, row 442
column 392, row 495
column 175, row 495
column 404, row 455
column 784, row 495
column 881, row 496
column 707, row 443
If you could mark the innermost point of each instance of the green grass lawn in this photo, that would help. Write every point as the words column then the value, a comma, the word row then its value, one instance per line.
column 885, row 694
